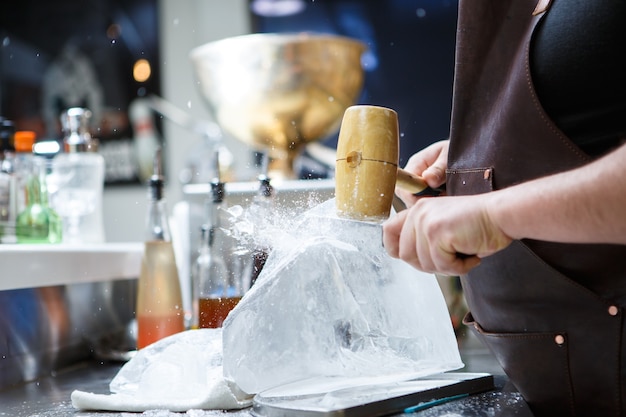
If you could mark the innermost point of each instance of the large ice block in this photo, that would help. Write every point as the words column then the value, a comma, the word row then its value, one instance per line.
column 331, row 303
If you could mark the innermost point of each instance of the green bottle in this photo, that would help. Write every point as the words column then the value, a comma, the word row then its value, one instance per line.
column 38, row 222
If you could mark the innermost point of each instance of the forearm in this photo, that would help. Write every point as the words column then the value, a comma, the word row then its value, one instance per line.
column 585, row 205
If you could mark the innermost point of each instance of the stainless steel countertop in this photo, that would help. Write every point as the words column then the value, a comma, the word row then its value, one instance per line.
column 50, row 396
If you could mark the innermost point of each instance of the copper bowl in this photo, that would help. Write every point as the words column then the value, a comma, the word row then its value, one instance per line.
column 277, row 92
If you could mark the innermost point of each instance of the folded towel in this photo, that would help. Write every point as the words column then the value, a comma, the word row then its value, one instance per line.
column 179, row 373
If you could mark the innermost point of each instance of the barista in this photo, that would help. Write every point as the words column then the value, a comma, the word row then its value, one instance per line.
column 536, row 174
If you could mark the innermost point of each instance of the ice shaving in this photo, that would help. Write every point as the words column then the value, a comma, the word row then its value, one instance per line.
column 179, row 373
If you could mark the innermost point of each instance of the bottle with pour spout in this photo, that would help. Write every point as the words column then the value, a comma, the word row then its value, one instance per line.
column 159, row 309
column 216, row 291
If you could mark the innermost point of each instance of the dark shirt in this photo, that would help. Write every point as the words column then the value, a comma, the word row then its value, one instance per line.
column 578, row 64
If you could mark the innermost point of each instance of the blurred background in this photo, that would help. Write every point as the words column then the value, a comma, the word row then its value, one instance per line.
column 110, row 55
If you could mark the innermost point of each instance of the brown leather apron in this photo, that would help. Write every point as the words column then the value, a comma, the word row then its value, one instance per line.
column 551, row 313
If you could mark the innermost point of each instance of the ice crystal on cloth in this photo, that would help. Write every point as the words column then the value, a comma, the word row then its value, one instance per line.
column 178, row 373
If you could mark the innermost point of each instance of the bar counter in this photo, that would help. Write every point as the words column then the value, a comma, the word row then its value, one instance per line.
column 50, row 396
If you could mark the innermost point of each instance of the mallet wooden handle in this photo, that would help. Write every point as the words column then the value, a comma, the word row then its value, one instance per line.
column 414, row 184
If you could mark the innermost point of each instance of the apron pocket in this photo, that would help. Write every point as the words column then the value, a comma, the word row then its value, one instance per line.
column 539, row 365
column 469, row 181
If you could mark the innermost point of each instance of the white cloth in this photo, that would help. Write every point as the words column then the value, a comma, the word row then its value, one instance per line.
column 179, row 373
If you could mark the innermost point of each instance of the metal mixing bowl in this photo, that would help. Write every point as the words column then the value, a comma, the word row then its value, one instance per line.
column 277, row 92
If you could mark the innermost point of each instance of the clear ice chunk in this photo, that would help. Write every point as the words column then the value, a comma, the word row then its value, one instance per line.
column 330, row 303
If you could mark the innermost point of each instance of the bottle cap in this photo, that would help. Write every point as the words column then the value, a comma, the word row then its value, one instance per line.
column 156, row 182
column 265, row 187
column 75, row 124
column 24, row 140
column 217, row 191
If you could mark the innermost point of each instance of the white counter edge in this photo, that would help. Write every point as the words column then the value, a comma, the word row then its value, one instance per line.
column 30, row 266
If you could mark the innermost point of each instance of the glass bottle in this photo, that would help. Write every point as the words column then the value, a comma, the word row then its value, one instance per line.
column 38, row 222
column 77, row 180
column 215, row 291
column 23, row 141
column 159, row 309
column 8, row 182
